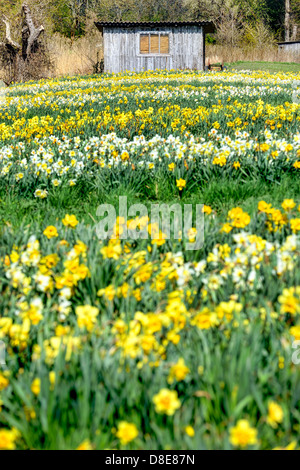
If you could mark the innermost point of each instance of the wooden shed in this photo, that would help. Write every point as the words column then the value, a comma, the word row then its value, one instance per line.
column 292, row 47
column 154, row 45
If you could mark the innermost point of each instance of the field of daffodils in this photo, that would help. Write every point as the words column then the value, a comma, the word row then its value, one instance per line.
column 143, row 344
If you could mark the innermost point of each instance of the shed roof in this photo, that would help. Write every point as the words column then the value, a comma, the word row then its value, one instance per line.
column 208, row 26
column 287, row 43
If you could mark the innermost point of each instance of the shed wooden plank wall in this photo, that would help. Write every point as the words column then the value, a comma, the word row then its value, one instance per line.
column 290, row 48
column 121, row 49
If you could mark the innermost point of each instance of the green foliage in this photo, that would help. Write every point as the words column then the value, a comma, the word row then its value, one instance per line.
column 69, row 17
column 209, row 39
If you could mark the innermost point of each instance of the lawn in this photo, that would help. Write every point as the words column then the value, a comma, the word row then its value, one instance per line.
column 134, row 342
column 271, row 67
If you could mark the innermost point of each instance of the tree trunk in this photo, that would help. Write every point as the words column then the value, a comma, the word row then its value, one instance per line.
column 17, row 59
column 287, row 19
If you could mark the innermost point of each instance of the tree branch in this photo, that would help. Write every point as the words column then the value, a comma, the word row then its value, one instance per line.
column 34, row 32
column 8, row 39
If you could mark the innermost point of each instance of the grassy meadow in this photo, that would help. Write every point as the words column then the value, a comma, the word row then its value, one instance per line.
column 272, row 67
column 143, row 344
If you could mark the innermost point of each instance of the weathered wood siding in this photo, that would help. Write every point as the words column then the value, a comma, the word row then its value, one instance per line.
column 293, row 48
column 121, row 49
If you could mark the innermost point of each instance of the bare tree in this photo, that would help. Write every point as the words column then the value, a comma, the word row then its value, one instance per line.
column 230, row 24
column 295, row 19
column 25, row 60
column 287, row 19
